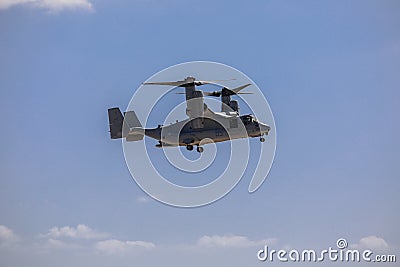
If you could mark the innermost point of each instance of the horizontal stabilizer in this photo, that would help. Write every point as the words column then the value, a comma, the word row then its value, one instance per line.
column 134, row 137
column 136, row 130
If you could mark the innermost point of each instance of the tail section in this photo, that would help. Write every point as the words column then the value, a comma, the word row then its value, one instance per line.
column 120, row 126
column 131, row 119
column 116, row 120
column 132, row 128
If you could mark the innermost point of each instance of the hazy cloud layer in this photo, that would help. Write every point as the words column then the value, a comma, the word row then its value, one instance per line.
column 52, row 6
column 114, row 246
column 231, row 241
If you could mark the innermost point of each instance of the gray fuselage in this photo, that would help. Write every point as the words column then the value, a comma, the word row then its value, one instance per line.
column 227, row 128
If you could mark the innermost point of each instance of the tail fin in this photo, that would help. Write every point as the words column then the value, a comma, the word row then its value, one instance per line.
column 131, row 119
column 132, row 128
column 120, row 126
column 116, row 121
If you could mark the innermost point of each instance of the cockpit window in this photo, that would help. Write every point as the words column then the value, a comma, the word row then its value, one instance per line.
column 247, row 119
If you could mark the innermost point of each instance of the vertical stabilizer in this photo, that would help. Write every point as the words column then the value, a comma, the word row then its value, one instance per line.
column 116, row 121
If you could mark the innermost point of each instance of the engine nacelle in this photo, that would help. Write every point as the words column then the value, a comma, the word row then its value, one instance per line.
column 195, row 109
column 234, row 105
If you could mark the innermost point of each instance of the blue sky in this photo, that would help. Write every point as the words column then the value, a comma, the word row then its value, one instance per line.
column 330, row 71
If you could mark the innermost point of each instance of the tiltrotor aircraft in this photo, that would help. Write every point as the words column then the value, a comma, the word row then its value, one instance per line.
column 202, row 126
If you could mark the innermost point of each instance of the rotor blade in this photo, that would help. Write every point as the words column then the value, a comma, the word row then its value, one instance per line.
column 177, row 83
column 228, row 91
column 216, row 93
column 237, row 89
column 213, row 81
column 187, row 81
column 180, row 83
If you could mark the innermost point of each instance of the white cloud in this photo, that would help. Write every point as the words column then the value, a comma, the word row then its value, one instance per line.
column 7, row 235
column 53, row 6
column 4, row 4
column 114, row 246
column 231, row 241
column 371, row 242
column 79, row 232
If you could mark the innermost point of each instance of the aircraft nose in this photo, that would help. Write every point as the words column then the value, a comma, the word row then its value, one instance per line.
column 264, row 129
